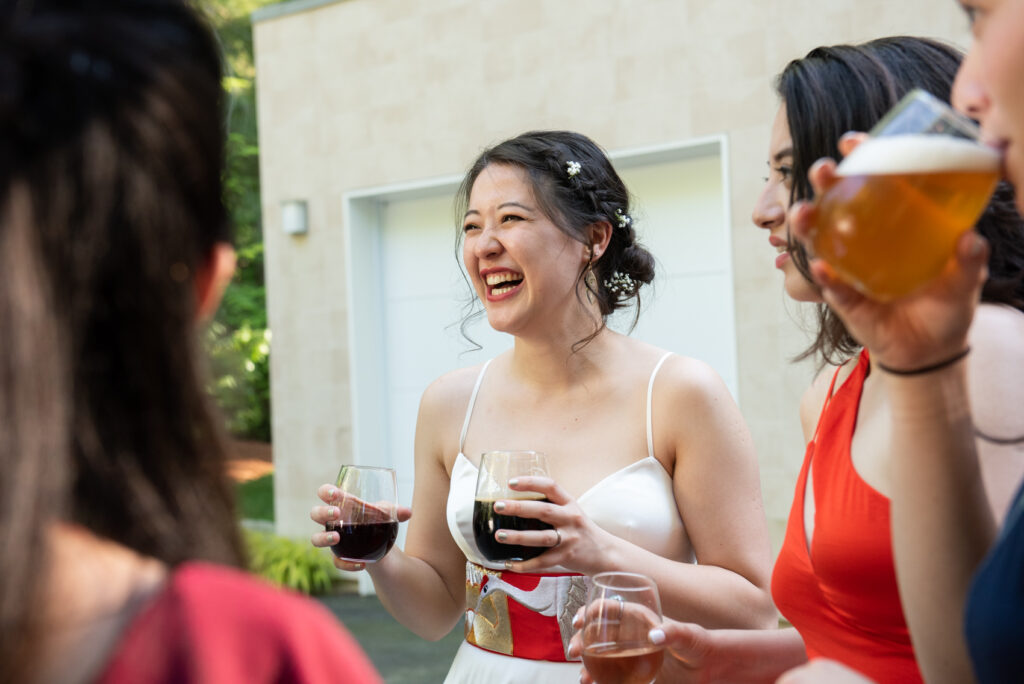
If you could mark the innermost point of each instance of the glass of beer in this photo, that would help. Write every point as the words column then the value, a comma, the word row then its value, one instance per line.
column 622, row 607
column 368, row 525
column 903, row 197
column 496, row 469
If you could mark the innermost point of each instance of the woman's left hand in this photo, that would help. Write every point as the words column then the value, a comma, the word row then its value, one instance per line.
column 575, row 543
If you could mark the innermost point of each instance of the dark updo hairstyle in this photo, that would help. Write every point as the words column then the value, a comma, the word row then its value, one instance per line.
column 844, row 88
column 110, row 204
column 595, row 193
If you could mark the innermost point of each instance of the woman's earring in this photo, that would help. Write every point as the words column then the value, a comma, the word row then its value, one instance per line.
column 590, row 281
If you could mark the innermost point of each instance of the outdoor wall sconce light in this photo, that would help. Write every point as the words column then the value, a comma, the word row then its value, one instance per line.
column 294, row 217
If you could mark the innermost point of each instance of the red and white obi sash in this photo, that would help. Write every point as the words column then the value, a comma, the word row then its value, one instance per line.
column 525, row 615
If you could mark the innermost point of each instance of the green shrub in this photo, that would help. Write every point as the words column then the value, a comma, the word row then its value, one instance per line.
column 291, row 563
column 255, row 498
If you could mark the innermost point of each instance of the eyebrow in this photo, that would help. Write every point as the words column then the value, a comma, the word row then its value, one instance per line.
column 781, row 154
column 503, row 205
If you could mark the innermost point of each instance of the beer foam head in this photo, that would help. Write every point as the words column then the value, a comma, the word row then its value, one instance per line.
column 918, row 154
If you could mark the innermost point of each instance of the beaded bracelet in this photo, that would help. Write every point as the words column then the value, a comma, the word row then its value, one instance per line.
column 925, row 369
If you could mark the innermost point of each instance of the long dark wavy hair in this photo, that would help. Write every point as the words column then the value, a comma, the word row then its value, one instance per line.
column 843, row 88
column 110, row 201
column 592, row 194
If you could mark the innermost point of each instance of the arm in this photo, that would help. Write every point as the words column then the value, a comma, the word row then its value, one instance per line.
column 423, row 587
column 952, row 490
column 717, row 490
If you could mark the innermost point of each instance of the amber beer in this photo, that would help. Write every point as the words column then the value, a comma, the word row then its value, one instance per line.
column 891, row 221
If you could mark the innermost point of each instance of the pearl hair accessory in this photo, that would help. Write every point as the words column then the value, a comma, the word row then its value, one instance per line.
column 572, row 168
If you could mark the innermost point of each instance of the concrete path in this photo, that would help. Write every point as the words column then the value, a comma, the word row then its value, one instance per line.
column 400, row 656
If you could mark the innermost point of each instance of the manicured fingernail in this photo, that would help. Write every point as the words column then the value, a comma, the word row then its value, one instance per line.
column 499, row 506
column 333, row 513
column 335, row 537
column 577, row 621
column 502, row 536
column 656, row 636
column 513, row 482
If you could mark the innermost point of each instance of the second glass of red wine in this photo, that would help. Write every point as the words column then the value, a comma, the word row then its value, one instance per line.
column 368, row 525
column 496, row 469
column 622, row 607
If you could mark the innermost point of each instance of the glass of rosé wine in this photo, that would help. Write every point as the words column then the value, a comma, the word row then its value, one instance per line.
column 622, row 607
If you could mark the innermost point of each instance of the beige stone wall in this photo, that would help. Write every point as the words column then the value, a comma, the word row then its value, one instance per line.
column 363, row 93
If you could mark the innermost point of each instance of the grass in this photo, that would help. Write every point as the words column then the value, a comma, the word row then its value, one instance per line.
column 256, row 498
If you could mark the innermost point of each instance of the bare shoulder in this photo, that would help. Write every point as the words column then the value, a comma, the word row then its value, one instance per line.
column 996, row 333
column 813, row 399
column 449, row 394
column 995, row 367
column 684, row 378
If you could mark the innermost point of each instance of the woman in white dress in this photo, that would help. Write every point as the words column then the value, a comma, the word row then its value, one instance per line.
column 652, row 467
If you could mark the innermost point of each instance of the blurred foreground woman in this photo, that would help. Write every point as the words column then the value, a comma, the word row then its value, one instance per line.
column 117, row 521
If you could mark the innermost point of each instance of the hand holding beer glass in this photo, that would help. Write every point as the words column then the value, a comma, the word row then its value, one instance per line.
column 901, row 199
column 622, row 607
column 496, row 469
column 368, row 525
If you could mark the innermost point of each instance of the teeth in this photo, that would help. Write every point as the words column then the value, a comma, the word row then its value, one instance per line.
column 493, row 279
column 781, row 248
column 502, row 290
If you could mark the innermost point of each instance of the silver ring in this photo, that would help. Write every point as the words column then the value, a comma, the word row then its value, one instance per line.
column 557, row 534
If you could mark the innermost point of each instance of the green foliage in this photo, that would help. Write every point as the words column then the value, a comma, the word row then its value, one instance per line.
column 240, row 360
column 238, row 340
column 255, row 498
column 291, row 563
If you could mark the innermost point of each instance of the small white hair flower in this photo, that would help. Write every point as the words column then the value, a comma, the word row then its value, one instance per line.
column 624, row 219
column 621, row 284
column 572, row 168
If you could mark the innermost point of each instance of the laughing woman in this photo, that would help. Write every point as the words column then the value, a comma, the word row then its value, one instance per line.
column 652, row 468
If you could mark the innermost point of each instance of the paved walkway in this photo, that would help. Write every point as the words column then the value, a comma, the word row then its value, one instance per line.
column 400, row 656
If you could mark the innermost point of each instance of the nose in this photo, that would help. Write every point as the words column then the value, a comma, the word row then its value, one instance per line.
column 768, row 212
column 968, row 93
column 486, row 245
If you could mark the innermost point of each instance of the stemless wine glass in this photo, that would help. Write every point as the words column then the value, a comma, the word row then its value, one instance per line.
column 368, row 525
column 903, row 197
column 622, row 607
column 496, row 469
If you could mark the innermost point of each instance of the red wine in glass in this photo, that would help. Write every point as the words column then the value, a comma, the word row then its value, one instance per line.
column 496, row 469
column 486, row 522
column 363, row 542
column 366, row 531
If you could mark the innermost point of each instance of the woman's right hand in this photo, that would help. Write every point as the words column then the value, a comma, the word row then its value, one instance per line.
column 925, row 327
column 321, row 515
